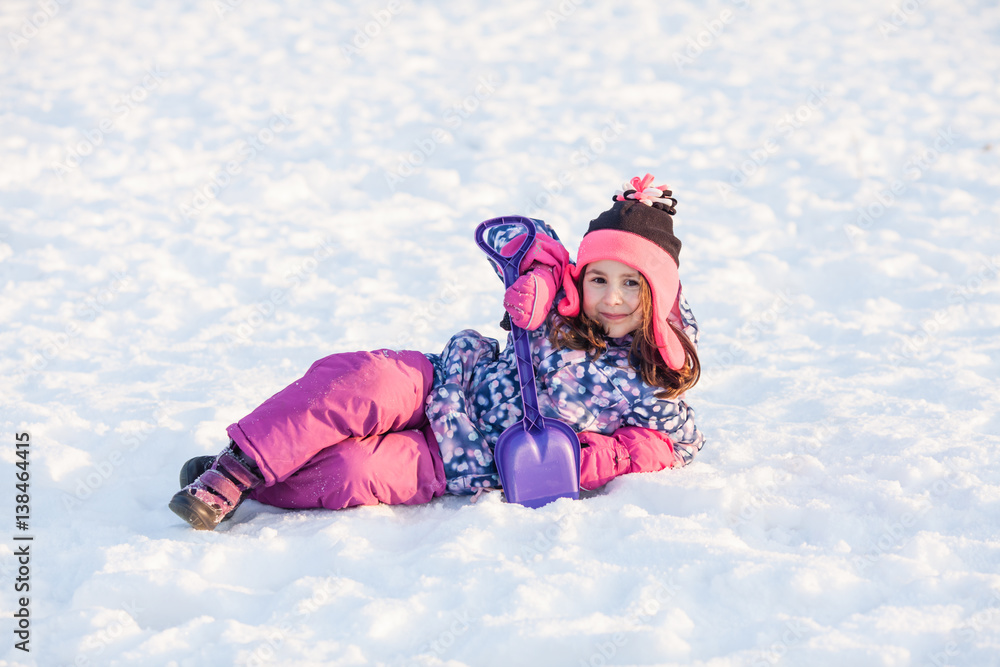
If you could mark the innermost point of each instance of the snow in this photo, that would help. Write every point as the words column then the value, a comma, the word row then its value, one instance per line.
column 198, row 199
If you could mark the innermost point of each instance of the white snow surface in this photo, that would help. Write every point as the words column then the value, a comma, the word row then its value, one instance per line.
column 200, row 198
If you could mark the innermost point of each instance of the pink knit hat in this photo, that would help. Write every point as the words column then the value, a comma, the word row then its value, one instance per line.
column 638, row 231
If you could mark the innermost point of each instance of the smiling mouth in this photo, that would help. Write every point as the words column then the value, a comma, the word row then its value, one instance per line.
column 615, row 318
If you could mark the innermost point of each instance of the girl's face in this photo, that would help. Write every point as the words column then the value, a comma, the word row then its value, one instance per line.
column 611, row 296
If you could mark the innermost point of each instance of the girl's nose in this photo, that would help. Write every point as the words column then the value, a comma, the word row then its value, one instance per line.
column 613, row 296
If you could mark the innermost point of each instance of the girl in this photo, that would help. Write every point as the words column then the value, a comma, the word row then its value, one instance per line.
column 613, row 360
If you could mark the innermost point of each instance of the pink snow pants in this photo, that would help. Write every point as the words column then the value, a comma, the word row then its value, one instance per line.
column 351, row 431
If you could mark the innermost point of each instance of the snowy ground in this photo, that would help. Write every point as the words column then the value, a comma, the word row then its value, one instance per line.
column 199, row 198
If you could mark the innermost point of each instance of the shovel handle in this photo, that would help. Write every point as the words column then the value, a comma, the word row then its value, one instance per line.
column 510, row 266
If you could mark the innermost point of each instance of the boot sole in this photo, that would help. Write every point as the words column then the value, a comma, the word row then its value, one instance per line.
column 192, row 510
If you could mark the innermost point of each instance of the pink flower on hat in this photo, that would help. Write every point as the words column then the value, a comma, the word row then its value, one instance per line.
column 644, row 191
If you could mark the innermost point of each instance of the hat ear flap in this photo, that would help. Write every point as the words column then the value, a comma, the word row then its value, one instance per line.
column 570, row 305
column 672, row 350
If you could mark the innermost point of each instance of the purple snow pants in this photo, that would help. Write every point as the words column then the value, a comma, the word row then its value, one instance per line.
column 351, row 432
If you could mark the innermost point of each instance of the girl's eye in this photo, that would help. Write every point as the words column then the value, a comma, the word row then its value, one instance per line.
column 597, row 280
column 631, row 283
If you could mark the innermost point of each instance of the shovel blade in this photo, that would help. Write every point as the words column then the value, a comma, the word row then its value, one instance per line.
column 538, row 465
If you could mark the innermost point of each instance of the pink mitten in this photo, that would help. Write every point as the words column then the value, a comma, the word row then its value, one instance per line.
column 629, row 449
column 529, row 299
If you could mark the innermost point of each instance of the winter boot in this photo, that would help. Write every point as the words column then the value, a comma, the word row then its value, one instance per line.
column 193, row 468
column 216, row 493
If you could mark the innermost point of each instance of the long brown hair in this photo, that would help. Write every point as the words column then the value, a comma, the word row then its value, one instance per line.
column 582, row 333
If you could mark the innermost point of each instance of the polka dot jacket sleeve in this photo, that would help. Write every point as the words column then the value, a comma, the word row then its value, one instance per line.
column 672, row 417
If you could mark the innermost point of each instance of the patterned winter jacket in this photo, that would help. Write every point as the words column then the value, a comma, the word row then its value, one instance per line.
column 623, row 426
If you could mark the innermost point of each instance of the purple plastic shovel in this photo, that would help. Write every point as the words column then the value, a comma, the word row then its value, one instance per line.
column 538, row 458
